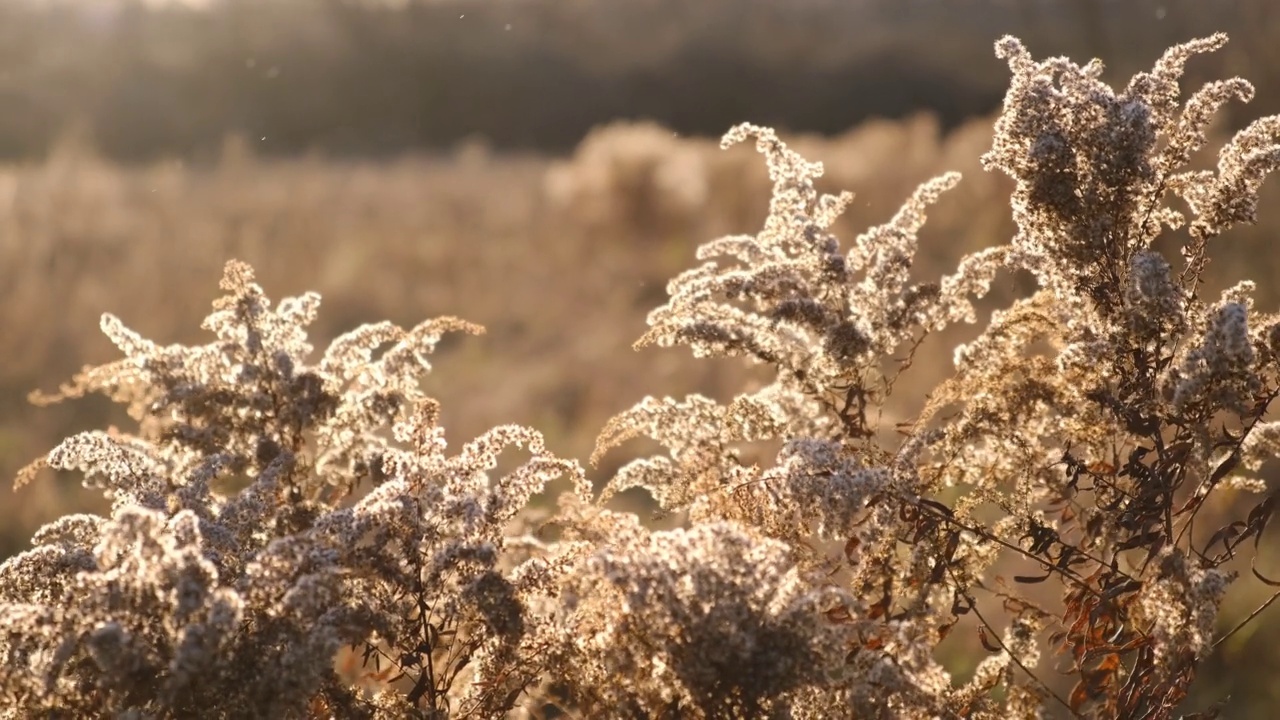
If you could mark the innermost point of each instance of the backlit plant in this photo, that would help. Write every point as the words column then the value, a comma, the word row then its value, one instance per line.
column 817, row 566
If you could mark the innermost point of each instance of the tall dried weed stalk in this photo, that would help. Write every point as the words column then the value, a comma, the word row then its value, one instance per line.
column 1082, row 435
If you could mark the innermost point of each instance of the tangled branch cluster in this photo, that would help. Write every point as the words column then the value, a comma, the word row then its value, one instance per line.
column 1080, row 437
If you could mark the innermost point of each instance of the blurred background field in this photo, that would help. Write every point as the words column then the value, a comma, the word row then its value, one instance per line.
column 541, row 167
column 155, row 78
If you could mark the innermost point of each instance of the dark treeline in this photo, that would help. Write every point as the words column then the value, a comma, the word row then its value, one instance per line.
column 353, row 77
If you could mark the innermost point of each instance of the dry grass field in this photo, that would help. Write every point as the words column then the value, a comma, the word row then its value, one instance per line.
column 559, row 259
column 411, row 159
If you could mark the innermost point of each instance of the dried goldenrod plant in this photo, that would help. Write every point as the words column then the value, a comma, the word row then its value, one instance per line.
column 1081, row 437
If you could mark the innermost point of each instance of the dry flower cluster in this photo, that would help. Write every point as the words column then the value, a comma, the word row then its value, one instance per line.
column 1082, row 434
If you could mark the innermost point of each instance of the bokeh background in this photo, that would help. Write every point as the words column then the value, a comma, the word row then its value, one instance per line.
column 541, row 167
